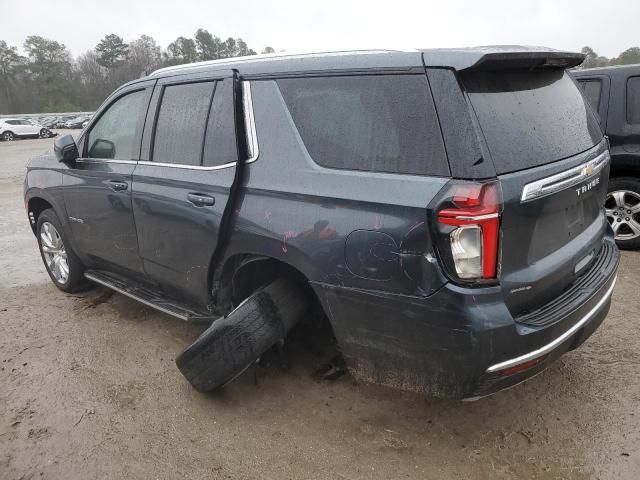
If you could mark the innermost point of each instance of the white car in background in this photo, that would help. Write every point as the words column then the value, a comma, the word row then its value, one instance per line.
column 12, row 128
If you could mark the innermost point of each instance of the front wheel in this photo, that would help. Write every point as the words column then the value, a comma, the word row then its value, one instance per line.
column 8, row 136
column 44, row 133
column 622, row 208
column 62, row 264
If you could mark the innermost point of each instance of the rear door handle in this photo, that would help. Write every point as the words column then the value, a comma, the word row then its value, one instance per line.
column 200, row 200
column 118, row 186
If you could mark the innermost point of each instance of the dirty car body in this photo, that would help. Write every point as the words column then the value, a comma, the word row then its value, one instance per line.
column 444, row 207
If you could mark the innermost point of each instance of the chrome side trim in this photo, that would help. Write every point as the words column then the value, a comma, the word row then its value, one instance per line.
column 101, row 160
column 249, row 122
column 130, row 295
column 187, row 167
column 558, row 341
column 568, row 178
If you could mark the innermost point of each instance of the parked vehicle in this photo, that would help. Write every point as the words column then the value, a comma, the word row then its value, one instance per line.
column 614, row 93
column 12, row 128
column 442, row 208
column 76, row 122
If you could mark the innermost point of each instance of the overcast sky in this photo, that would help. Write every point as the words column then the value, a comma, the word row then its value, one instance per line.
column 332, row 24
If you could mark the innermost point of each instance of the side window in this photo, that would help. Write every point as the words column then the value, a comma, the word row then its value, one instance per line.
column 592, row 91
column 380, row 123
column 633, row 100
column 12, row 122
column 220, row 142
column 182, row 119
column 114, row 134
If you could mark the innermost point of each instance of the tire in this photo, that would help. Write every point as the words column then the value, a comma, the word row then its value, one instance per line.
column 8, row 136
column 57, row 254
column 44, row 133
column 232, row 344
column 622, row 208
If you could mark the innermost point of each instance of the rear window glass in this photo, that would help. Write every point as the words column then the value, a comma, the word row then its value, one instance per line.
column 592, row 91
column 633, row 100
column 181, row 123
column 531, row 118
column 382, row 123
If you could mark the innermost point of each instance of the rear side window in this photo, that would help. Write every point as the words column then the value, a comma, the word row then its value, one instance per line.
column 531, row 118
column 633, row 100
column 381, row 123
column 220, row 143
column 592, row 91
column 182, row 119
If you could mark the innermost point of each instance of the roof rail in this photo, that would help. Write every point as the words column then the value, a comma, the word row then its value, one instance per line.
column 262, row 57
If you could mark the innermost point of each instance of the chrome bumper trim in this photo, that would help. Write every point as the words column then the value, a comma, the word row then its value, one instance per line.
column 558, row 341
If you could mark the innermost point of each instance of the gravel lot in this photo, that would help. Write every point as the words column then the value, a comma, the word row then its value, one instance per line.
column 88, row 389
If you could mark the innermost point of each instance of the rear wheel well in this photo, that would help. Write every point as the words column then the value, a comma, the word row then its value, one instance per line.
column 35, row 207
column 626, row 169
column 244, row 274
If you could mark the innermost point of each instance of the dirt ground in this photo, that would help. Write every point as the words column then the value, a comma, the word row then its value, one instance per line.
column 89, row 389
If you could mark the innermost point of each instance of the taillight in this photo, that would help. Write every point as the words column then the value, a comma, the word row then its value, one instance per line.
column 468, row 219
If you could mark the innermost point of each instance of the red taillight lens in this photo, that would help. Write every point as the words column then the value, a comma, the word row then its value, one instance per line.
column 474, row 210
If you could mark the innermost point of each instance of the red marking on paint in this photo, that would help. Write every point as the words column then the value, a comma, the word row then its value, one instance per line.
column 377, row 224
column 287, row 235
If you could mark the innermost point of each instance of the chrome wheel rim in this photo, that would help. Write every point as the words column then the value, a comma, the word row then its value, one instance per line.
column 54, row 252
column 622, row 208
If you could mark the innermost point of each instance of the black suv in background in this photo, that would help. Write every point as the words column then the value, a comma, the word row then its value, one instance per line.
column 441, row 208
column 614, row 93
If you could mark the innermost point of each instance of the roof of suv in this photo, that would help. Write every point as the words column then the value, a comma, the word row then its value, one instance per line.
column 487, row 58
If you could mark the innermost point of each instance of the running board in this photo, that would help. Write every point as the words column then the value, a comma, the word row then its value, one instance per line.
column 147, row 297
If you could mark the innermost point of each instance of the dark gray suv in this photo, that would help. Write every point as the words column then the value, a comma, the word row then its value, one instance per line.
column 442, row 208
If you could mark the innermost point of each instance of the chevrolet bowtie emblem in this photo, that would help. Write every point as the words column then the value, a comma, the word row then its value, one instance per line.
column 588, row 170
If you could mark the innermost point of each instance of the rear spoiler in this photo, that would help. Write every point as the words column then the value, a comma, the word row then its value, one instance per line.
column 500, row 58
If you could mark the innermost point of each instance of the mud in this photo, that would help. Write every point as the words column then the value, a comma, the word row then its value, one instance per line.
column 89, row 389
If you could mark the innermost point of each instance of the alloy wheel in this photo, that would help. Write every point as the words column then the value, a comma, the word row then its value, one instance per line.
column 54, row 252
column 622, row 208
column 7, row 136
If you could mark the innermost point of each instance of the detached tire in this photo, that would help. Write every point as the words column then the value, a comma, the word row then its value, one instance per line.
column 232, row 344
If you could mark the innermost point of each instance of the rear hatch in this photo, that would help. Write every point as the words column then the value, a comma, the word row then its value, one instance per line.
column 552, row 166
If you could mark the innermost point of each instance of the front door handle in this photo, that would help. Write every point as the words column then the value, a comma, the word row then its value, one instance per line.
column 200, row 200
column 118, row 186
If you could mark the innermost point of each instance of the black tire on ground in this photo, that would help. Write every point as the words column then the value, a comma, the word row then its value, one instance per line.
column 232, row 344
column 75, row 280
column 631, row 187
column 44, row 133
column 8, row 136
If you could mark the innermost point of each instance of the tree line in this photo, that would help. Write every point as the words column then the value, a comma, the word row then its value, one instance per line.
column 47, row 78
column 628, row 57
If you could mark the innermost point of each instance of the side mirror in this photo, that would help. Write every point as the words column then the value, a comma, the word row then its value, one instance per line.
column 65, row 149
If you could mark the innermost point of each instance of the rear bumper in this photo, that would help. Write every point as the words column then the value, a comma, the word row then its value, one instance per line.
column 458, row 342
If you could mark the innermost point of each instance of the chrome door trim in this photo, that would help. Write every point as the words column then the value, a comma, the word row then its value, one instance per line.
column 568, row 178
column 101, row 160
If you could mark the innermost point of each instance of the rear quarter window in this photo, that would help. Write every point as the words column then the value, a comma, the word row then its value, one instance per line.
column 633, row 100
column 377, row 123
column 531, row 118
column 592, row 91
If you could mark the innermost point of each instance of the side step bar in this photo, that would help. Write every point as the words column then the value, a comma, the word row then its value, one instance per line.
column 147, row 297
